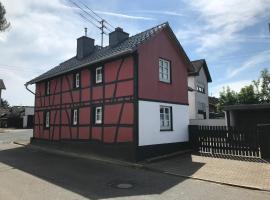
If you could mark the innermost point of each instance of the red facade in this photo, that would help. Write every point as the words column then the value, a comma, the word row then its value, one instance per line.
column 161, row 46
column 115, row 95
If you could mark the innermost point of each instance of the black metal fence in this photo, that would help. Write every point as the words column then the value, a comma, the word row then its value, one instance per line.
column 229, row 140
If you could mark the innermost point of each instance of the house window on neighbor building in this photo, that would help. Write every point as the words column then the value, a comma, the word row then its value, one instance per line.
column 202, row 109
column 77, row 80
column 165, row 118
column 75, row 117
column 98, row 115
column 201, row 88
column 47, row 88
column 99, row 75
column 47, row 119
column 164, row 70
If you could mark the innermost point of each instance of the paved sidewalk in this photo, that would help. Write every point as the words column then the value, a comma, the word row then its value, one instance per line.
column 234, row 172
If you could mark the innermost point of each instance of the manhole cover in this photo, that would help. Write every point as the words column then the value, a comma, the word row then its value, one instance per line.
column 121, row 184
column 124, row 186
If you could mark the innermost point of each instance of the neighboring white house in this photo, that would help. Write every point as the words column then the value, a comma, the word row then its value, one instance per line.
column 198, row 90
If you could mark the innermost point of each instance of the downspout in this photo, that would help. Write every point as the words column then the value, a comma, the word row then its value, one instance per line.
column 26, row 86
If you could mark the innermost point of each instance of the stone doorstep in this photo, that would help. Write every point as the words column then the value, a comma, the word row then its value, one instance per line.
column 141, row 165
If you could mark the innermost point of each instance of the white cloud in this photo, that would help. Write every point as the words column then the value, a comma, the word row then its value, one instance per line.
column 253, row 62
column 124, row 15
column 223, row 20
column 235, row 85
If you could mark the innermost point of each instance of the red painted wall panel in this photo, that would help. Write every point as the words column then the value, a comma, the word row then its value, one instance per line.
column 111, row 113
column 97, row 92
column 128, row 114
column 109, row 134
column 96, row 133
column 84, row 115
column 149, row 85
column 125, row 89
column 84, row 133
column 85, row 78
column 86, row 94
column 125, row 135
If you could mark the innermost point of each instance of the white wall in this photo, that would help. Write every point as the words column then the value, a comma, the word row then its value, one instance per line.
column 149, row 124
column 194, row 97
column 208, row 122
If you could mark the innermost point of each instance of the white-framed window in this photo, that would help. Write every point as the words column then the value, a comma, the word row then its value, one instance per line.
column 47, row 87
column 75, row 117
column 77, row 80
column 47, row 119
column 99, row 75
column 98, row 115
column 164, row 70
column 201, row 88
column 165, row 118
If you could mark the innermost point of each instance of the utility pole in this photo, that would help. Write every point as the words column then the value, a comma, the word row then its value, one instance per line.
column 102, row 31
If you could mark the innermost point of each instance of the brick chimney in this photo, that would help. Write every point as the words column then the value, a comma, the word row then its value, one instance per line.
column 85, row 46
column 117, row 36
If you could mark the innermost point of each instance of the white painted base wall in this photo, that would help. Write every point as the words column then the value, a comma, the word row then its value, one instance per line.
column 149, row 124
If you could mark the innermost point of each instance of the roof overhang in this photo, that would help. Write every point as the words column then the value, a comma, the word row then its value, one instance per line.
column 247, row 107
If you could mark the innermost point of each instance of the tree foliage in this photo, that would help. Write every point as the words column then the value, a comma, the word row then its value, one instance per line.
column 258, row 92
column 4, row 24
column 4, row 103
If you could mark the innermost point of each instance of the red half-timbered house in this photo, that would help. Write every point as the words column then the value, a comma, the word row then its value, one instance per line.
column 127, row 100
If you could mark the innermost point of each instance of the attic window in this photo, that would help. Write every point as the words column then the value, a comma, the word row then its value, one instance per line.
column 99, row 75
column 164, row 70
column 201, row 88
column 47, row 87
column 77, row 80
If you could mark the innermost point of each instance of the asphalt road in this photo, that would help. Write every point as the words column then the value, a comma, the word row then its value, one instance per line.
column 28, row 174
column 16, row 134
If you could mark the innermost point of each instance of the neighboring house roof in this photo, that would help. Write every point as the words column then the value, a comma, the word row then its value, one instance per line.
column 198, row 64
column 213, row 100
column 2, row 85
column 101, row 54
column 247, row 107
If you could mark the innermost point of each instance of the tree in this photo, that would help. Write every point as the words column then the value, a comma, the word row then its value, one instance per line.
column 4, row 103
column 247, row 95
column 4, row 24
column 227, row 97
column 262, row 86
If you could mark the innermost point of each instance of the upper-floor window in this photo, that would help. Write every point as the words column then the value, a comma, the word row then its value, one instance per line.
column 201, row 88
column 164, row 70
column 165, row 118
column 77, row 80
column 47, row 88
column 98, row 115
column 75, row 117
column 99, row 75
column 47, row 119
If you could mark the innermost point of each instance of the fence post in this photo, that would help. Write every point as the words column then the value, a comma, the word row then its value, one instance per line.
column 193, row 137
column 264, row 140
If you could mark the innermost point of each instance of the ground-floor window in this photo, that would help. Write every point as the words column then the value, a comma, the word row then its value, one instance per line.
column 74, row 116
column 98, row 115
column 165, row 118
column 47, row 119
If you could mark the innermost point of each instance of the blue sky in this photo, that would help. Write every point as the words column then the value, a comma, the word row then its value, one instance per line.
column 233, row 36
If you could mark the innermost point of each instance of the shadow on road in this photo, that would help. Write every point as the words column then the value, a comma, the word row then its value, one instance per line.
column 90, row 179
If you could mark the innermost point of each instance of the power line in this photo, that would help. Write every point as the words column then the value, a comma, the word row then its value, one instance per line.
column 103, row 23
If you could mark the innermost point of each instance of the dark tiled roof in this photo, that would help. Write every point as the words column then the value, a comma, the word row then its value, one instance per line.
column 2, row 85
column 197, row 65
column 101, row 54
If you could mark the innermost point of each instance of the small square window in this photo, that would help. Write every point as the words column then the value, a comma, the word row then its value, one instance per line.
column 98, row 115
column 77, row 80
column 75, row 117
column 164, row 70
column 165, row 118
column 47, row 119
column 99, row 75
